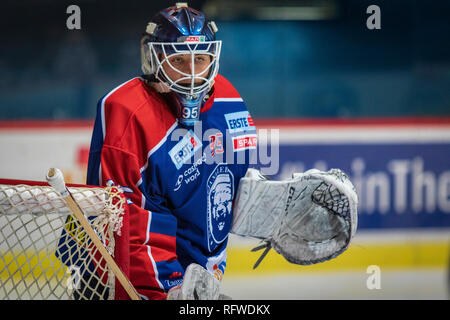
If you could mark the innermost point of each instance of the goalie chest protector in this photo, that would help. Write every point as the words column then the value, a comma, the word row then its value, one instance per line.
column 188, row 176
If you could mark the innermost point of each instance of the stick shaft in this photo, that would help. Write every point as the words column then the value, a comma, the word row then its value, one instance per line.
column 73, row 206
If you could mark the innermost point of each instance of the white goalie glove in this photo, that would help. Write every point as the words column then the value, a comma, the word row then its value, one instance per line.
column 308, row 219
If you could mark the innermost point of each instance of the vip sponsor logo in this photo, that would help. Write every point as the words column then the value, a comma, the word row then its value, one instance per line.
column 239, row 121
column 185, row 149
column 245, row 142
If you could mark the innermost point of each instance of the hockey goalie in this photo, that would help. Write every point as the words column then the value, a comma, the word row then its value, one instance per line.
column 177, row 140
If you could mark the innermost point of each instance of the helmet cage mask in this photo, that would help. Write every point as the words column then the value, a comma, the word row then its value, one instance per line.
column 160, row 53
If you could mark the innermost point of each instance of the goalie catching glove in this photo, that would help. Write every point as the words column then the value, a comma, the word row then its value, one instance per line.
column 308, row 219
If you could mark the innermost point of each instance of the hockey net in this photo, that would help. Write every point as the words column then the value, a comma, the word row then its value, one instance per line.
column 44, row 251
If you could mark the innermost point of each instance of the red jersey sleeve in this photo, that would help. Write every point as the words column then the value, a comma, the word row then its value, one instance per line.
column 115, row 156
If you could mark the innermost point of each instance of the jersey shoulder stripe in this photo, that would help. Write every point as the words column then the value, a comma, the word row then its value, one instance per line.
column 129, row 114
column 223, row 91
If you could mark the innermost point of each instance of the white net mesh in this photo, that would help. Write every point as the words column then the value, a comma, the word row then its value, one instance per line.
column 45, row 253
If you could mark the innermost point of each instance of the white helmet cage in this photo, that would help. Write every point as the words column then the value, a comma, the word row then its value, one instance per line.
column 156, row 54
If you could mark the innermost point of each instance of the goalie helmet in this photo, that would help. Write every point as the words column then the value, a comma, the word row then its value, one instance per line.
column 184, row 32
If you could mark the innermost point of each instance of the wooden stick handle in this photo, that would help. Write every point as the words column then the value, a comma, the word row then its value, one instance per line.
column 56, row 180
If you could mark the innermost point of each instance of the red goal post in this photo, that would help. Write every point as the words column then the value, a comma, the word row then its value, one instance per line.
column 44, row 251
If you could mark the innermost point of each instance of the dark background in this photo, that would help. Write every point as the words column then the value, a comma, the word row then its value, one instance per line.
column 322, row 61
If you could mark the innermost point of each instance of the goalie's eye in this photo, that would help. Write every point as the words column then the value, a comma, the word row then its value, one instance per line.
column 200, row 58
column 177, row 60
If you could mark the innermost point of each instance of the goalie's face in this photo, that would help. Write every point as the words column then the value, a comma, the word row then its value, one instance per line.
column 187, row 67
column 178, row 67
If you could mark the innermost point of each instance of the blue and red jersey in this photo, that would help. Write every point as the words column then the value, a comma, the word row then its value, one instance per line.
column 180, row 181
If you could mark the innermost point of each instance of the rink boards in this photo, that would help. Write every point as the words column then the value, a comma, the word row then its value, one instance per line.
column 401, row 170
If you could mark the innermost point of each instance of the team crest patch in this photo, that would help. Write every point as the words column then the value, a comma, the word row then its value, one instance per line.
column 185, row 149
column 239, row 121
column 220, row 193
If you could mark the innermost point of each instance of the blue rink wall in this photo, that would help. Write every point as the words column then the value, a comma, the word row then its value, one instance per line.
column 398, row 185
column 402, row 176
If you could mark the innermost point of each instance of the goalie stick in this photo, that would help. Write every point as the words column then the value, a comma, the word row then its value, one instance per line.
column 56, row 179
